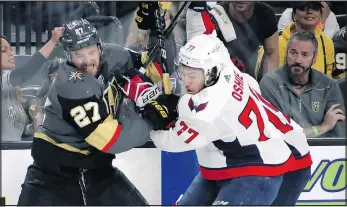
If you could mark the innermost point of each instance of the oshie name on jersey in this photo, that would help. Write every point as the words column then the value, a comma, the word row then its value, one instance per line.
column 238, row 87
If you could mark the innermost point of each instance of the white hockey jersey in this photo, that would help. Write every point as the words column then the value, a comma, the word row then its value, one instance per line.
column 235, row 131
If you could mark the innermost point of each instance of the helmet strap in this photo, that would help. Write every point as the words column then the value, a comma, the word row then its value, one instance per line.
column 212, row 78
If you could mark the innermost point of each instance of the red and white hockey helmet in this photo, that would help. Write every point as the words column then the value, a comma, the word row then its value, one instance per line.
column 206, row 52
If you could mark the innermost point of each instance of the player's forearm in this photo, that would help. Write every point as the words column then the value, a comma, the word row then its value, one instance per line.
column 168, row 141
column 134, row 130
column 114, row 138
column 134, row 133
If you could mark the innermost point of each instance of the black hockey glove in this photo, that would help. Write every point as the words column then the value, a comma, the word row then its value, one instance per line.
column 198, row 6
column 145, row 16
column 162, row 111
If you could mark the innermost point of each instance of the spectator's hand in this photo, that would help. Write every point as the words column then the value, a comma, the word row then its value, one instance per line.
column 57, row 33
column 326, row 11
column 145, row 16
column 333, row 115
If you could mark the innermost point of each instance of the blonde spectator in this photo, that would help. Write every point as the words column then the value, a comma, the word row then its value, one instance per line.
column 328, row 20
column 306, row 16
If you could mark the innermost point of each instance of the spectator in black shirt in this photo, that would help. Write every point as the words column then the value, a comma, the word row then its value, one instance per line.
column 340, row 45
column 243, row 26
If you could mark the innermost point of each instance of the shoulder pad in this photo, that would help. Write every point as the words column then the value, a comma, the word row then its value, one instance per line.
column 47, row 69
column 115, row 57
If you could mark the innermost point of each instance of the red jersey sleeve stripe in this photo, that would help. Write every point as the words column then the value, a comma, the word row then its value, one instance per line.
column 113, row 139
column 209, row 26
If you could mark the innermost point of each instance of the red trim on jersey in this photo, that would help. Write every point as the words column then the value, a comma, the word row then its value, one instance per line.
column 209, row 26
column 113, row 139
column 258, row 170
column 302, row 162
column 159, row 69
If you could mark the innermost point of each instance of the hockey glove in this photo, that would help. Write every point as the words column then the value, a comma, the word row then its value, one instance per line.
column 145, row 16
column 154, row 70
column 162, row 111
column 112, row 97
column 138, row 87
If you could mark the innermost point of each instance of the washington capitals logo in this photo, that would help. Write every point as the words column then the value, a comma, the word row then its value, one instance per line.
column 75, row 75
column 197, row 108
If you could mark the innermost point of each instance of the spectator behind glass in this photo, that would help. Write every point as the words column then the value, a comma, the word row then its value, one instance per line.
column 138, row 39
column 48, row 73
column 243, row 26
column 306, row 16
column 30, row 103
column 328, row 20
column 309, row 97
column 14, row 119
column 340, row 43
column 142, row 38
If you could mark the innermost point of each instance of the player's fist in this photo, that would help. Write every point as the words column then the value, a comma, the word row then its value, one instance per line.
column 145, row 16
column 138, row 87
column 162, row 111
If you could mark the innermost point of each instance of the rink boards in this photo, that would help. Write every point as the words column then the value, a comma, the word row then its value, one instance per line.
column 162, row 177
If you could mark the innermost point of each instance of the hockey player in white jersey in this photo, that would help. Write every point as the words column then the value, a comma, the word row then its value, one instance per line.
column 244, row 144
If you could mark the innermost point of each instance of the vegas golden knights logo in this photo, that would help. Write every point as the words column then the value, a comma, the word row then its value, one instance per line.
column 315, row 106
column 60, row 60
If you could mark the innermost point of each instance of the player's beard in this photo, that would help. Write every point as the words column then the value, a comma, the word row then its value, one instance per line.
column 298, row 75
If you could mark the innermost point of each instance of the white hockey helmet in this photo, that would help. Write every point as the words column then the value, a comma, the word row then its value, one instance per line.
column 206, row 52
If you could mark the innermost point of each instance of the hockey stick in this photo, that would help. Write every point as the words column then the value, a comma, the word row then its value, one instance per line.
column 167, row 32
column 153, row 53
column 162, row 36
column 160, row 27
